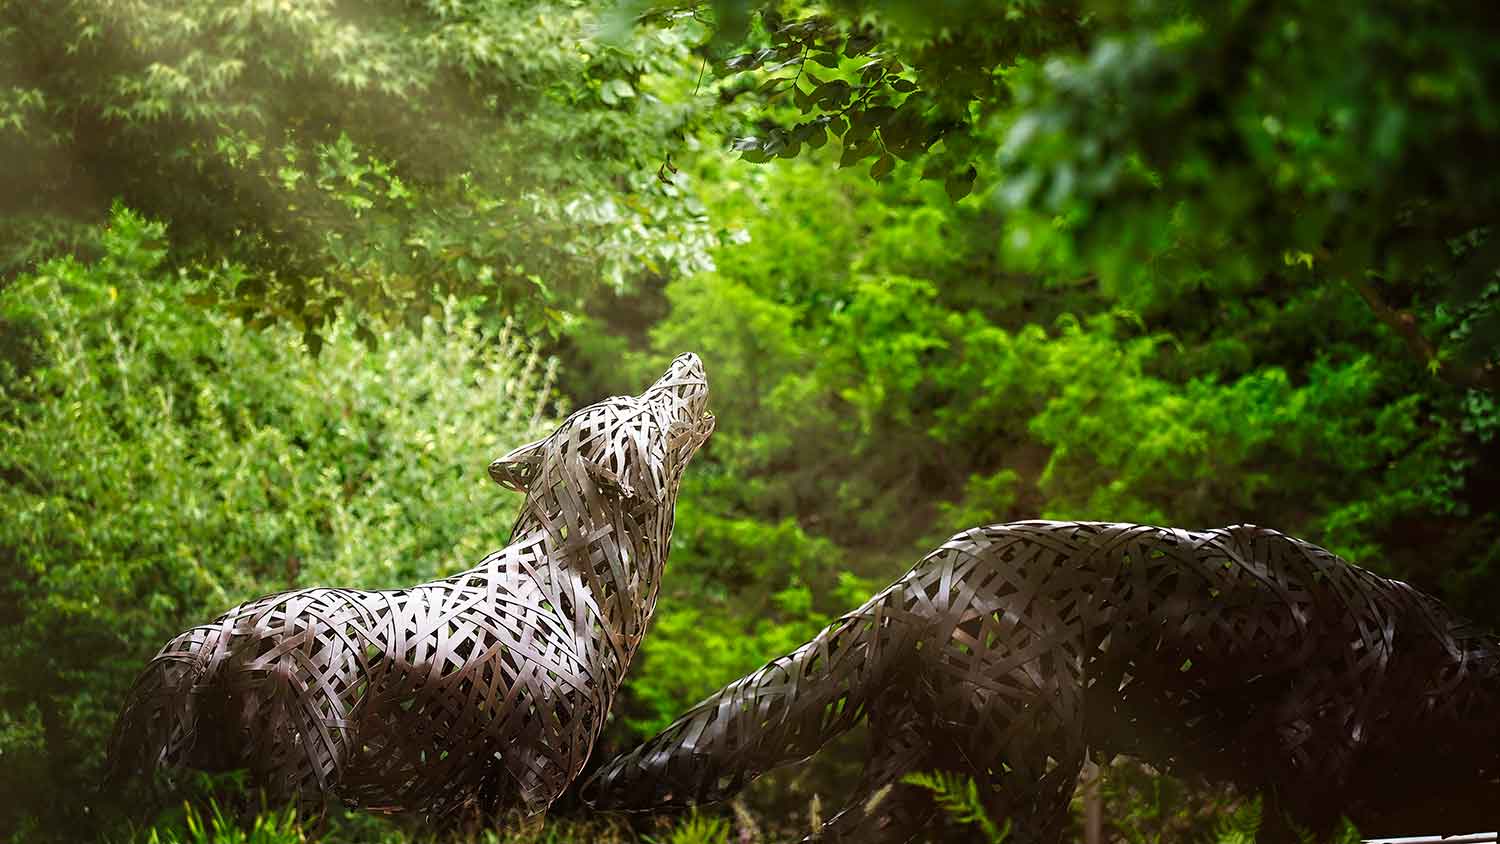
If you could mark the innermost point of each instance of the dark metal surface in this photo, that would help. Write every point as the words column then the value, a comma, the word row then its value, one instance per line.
column 1013, row 650
column 481, row 692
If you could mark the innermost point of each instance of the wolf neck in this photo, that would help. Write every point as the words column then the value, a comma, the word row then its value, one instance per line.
column 601, row 576
column 1477, row 666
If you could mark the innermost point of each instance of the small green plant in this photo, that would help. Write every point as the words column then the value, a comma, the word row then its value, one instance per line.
column 217, row 827
column 1346, row 833
column 1239, row 826
column 958, row 797
column 696, row 828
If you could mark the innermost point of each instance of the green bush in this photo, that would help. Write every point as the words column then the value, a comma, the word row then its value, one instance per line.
column 159, row 464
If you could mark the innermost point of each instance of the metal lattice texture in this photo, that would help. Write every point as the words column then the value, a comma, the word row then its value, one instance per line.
column 1013, row 650
column 478, row 693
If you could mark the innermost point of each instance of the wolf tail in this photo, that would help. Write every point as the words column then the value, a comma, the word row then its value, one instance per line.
column 781, row 713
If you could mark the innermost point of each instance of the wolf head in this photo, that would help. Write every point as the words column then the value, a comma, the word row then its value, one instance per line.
column 625, row 451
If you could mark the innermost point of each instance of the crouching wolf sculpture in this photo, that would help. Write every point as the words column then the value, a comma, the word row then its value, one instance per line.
column 1012, row 650
column 481, row 692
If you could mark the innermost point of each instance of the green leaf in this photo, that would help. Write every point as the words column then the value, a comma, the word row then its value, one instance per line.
column 803, row 100
column 363, row 334
column 747, row 61
column 615, row 90
column 775, row 85
column 859, row 44
column 833, row 93
column 960, row 184
column 855, row 151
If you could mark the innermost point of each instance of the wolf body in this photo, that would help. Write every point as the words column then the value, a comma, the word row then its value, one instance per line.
column 482, row 692
column 1013, row 651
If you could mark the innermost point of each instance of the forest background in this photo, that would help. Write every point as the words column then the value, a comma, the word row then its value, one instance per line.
column 278, row 279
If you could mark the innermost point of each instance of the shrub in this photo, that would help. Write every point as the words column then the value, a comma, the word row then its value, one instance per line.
column 159, row 464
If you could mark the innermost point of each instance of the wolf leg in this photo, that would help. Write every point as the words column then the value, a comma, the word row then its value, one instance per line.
column 294, row 680
column 1029, row 780
column 1028, row 786
column 1032, row 798
column 885, row 810
column 1020, row 735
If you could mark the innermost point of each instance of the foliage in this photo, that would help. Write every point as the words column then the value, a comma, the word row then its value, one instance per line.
column 365, row 158
column 1137, row 817
column 884, row 399
column 215, row 827
column 1341, row 145
column 958, row 797
column 696, row 828
column 1144, row 806
column 209, row 823
column 737, row 594
column 1241, row 826
column 160, row 464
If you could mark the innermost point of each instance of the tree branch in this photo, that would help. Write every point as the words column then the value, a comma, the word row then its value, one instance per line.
column 1483, row 376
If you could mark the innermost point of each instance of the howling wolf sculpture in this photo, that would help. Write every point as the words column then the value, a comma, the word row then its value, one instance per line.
column 1013, row 650
column 481, row 692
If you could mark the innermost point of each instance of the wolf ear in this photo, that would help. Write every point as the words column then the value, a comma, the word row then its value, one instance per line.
column 517, row 469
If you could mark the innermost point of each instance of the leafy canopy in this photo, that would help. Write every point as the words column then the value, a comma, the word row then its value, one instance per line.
column 1161, row 146
column 368, row 159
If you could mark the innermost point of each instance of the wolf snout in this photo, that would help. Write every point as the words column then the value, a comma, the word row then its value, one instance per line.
column 686, row 368
column 685, row 385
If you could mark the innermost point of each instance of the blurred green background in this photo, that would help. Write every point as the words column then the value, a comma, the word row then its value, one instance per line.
column 278, row 278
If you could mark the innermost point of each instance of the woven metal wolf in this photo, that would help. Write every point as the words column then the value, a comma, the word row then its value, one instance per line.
column 1013, row 650
column 477, row 693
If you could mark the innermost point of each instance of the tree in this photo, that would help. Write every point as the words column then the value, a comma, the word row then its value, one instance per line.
column 365, row 158
column 1166, row 148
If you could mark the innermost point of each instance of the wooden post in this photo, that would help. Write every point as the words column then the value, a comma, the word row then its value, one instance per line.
column 1093, row 804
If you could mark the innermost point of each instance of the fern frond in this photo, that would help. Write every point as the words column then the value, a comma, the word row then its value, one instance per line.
column 958, row 797
column 1240, row 826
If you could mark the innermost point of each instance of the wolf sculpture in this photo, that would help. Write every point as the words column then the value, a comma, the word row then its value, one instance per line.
column 1012, row 651
column 478, row 693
